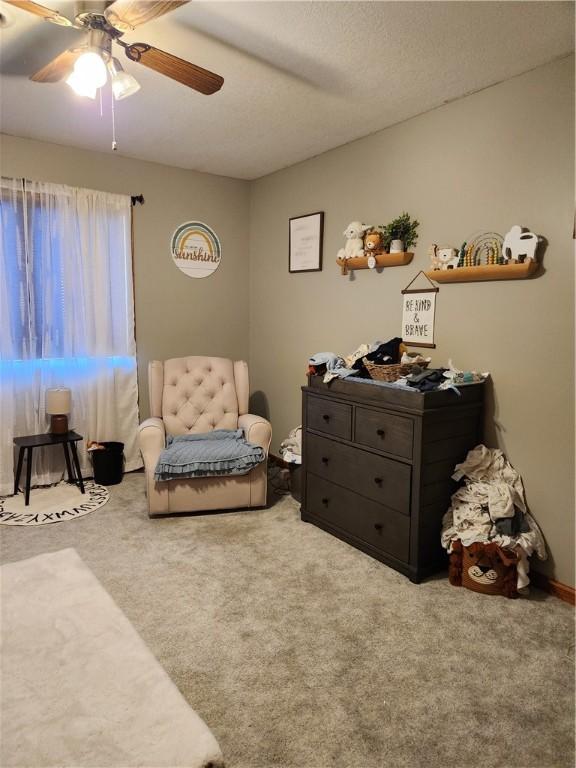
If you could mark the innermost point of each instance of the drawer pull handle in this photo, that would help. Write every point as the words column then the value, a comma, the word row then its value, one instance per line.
column 325, row 501
column 380, row 432
column 378, row 526
column 326, row 417
column 378, row 480
column 325, row 459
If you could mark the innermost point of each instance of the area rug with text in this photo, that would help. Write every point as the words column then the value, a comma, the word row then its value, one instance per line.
column 54, row 504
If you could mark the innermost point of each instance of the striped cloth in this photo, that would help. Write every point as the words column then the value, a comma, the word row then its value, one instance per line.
column 207, row 454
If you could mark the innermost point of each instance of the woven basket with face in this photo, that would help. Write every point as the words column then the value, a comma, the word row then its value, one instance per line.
column 485, row 568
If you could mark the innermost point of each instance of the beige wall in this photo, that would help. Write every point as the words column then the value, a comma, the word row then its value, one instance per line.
column 175, row 315
column 500, row 157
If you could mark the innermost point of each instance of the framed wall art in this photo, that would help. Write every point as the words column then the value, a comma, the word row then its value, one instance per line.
column 305, row 235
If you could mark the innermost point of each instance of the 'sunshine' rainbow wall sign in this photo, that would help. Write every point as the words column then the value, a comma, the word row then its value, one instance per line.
column 196, row 249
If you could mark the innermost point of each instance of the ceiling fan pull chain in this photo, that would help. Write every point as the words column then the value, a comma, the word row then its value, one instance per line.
column 114, row 144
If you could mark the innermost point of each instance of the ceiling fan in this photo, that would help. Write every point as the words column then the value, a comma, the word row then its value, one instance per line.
column 85, row 66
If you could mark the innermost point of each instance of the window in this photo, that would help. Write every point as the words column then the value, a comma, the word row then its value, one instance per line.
column 66, row 312
column 66, row 266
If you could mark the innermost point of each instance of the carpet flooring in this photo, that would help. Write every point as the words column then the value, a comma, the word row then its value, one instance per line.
column 299, row 651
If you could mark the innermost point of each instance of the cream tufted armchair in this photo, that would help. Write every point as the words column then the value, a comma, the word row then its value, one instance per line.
column 199, row 394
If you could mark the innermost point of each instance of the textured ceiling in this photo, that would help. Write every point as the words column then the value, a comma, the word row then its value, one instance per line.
column 300, row 77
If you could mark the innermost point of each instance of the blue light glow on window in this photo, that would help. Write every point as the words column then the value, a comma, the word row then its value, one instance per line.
column 66, row 366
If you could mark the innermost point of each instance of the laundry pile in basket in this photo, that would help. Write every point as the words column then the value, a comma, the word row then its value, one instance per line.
column 490, row 508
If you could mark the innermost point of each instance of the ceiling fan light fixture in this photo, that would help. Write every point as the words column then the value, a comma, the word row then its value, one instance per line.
column 80, row 86
column 88, row 75
column 123, row 84
column 91, row 68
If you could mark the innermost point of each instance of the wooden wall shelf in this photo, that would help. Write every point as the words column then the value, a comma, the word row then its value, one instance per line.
column 484, row 272
column 382, row 260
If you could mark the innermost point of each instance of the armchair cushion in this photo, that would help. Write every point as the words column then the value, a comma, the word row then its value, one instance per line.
column 199, row 395
column 220, row 452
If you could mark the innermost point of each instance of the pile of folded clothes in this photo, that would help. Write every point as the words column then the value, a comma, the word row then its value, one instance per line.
column 353, row 367
column 332, row 366
column 441, row 378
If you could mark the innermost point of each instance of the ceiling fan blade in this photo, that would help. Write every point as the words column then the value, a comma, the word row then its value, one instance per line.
column 40, row 10
column 189, row 74
column 57, row 69
column 125, row 15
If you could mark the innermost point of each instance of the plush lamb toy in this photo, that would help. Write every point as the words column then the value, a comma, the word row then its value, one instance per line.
column 354, row 244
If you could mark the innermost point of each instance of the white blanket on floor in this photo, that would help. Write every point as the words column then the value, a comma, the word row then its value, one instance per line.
column 79, row 686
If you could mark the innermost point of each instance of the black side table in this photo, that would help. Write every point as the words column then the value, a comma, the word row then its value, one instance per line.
column 30, row 442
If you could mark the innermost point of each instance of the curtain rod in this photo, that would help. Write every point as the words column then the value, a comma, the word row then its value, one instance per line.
column 134, row 199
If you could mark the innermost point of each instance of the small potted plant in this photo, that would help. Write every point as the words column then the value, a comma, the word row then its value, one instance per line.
column 400, row 234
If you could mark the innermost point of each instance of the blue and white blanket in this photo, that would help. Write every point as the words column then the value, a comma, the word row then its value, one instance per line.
column 207, row 454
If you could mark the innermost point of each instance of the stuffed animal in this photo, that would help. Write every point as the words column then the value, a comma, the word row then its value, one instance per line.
column 486, row 568
column 448, row 258
column 372, row 242
column 443, row 258
column 354, row 245
column 519, row 245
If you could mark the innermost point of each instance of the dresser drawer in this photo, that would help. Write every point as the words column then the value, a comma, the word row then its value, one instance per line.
column 384, row 431
column 383, row 528
column 330, row 417
column 383, row 480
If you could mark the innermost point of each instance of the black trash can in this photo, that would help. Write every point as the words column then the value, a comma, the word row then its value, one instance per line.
column 108, row 463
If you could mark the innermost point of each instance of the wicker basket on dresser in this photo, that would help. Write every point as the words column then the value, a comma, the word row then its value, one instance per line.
column 377, row 466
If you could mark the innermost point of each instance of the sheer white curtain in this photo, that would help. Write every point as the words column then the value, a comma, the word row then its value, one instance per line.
column 66, row 319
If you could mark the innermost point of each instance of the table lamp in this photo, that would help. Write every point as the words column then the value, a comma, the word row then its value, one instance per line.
column 58, row 408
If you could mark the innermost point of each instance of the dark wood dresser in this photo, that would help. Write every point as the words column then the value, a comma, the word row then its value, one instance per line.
column 377, row 466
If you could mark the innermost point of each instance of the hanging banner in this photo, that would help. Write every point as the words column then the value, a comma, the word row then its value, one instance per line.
column 196, row 249
column 418, row 313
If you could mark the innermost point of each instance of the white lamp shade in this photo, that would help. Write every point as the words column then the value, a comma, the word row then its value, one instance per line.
column 80, row 86
column 89, row 74
column 123, row 85
column 91, row 68
column 58, row 401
